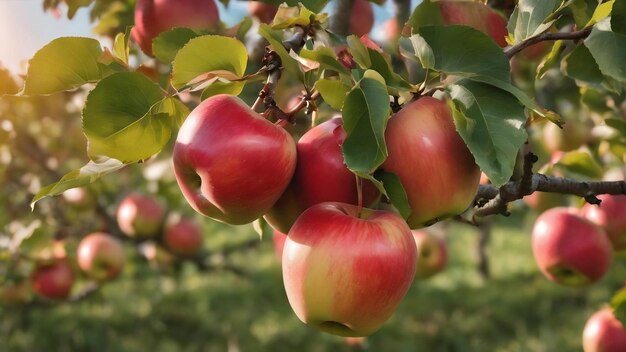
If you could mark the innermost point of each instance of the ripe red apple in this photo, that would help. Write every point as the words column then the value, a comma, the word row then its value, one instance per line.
column 183, row 237
column 320, row 176
column 433, row 163
column 392, row 30
column 432, row 254
column 140, row 216
column 232, row 164
column 279, row 239
column 263, row 11
column 476, row 15
column 53, row 279
column 569, row 249
column 345, row 272
column 155, row 16
column 362, row 18
column 100, row 256
column 604, row 333
column 611, row 216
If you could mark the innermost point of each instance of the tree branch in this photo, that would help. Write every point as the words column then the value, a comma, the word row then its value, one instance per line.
column 581, row 34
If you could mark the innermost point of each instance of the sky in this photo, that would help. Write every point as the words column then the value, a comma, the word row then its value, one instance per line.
column 25, row 28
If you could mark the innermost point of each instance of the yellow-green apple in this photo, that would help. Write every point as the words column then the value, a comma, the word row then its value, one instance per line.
column 361, row 18
column 435, row 167
column 611, row 216
column 263, row 11
column 570, row 137
column 346, row 269
column 320, row 176
column 279, row 239
column 183, row 237
column 100, row 256
column 79, row 197
column 155, row 16
column 53, row 279
column 476, row 15
column 432, row 254
column 140, row 216
column 603, row 332
column 569, row 249
column 542, row 201
column 232, row 164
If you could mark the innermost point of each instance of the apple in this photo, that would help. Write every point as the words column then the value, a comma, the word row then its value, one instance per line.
column 155, row 16
column 79, row 197
column 53, row 279
column 569, row 249
column 476, row 15
column 346, row 269
column 279, row 239
column 391, row 30
column 232, row 164
column 484, row 179
column 263, row 11
column 542, row 201
column 611, row 216
column 321, row 176
column 435, row 167
column 183, row 237
column 140, row 216
column 570, row 137
column 432, row 254
column 604, row 333
column 100, row 256
column 361, row 18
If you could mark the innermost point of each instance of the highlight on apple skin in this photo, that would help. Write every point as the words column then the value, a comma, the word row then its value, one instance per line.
column 232, row 164
column 140, row 216
column 53, row 280
column 603, row 332
column 611, row 216
column 435, row 167
column 432, row 254
column 155, row 16
column 100, row 256
column 279, row 238
column 345, row 272
column 569, row 249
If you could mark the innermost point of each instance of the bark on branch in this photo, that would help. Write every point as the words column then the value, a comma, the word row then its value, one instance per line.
column 581, row 34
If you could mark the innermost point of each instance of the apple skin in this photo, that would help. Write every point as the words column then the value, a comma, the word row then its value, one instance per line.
column 279, row 239
column 100, row 256
column 604, row 333
column 183, row 237
column 569, row 249
column 263, row 11
column 155, row 16
column 432, row 254
column 53, row 280
column 476, row 15
column 542, row 201
column 570, row 137
column 611, row 216
column 362, row 18
column 435, row 167
column 140, row 216
column 321, row 176
column 79, row 198
column 232, row 164
column 345, row 274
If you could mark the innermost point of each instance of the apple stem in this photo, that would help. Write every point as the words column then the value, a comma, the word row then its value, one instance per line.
column 359, row 194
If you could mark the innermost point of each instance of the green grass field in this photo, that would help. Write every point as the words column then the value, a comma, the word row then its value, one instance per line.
column 517, row 310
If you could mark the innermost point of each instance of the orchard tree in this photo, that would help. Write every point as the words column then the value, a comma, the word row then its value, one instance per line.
column 530, row 93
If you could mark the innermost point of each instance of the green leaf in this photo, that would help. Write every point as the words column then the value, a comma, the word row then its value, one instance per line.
column 427, row 13
column 74, row 5
column 359, row 51
column 124, row 118
column 333, row 92
column 491, row 122
column 601, row 12
column 87, row 174
column 395, row 192
column 618, row 304
column 120, row 47
column 211, row 53
column 167, row 44
column 262, row 228
column 609, row 50
column 243, row 28
column 618, row 17
column 326, row 58
column 365, row 115
column 549, row 61
column 531, row 18
column 579, row 163
column 64, row 64
column 274, row 37
column 581, row 66
column 7, row 83
column 617, row 124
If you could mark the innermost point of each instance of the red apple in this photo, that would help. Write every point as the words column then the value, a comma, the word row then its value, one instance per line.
column 569, row 249
column 140, row 216
column 611, row 216
column 604, row 333
column 432, row 254
column 263, row 11
column 100, row 256
column 346, row 271
column 183, row 237
column 232, row 164
column 362, row 17
column 155, row 16
column 392, row 30
column 279, row 239
column 53, row 279
column 433, row 163
column 476, row 15
column 320, row 176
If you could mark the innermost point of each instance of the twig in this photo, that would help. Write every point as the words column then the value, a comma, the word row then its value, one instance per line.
column 581, row 34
